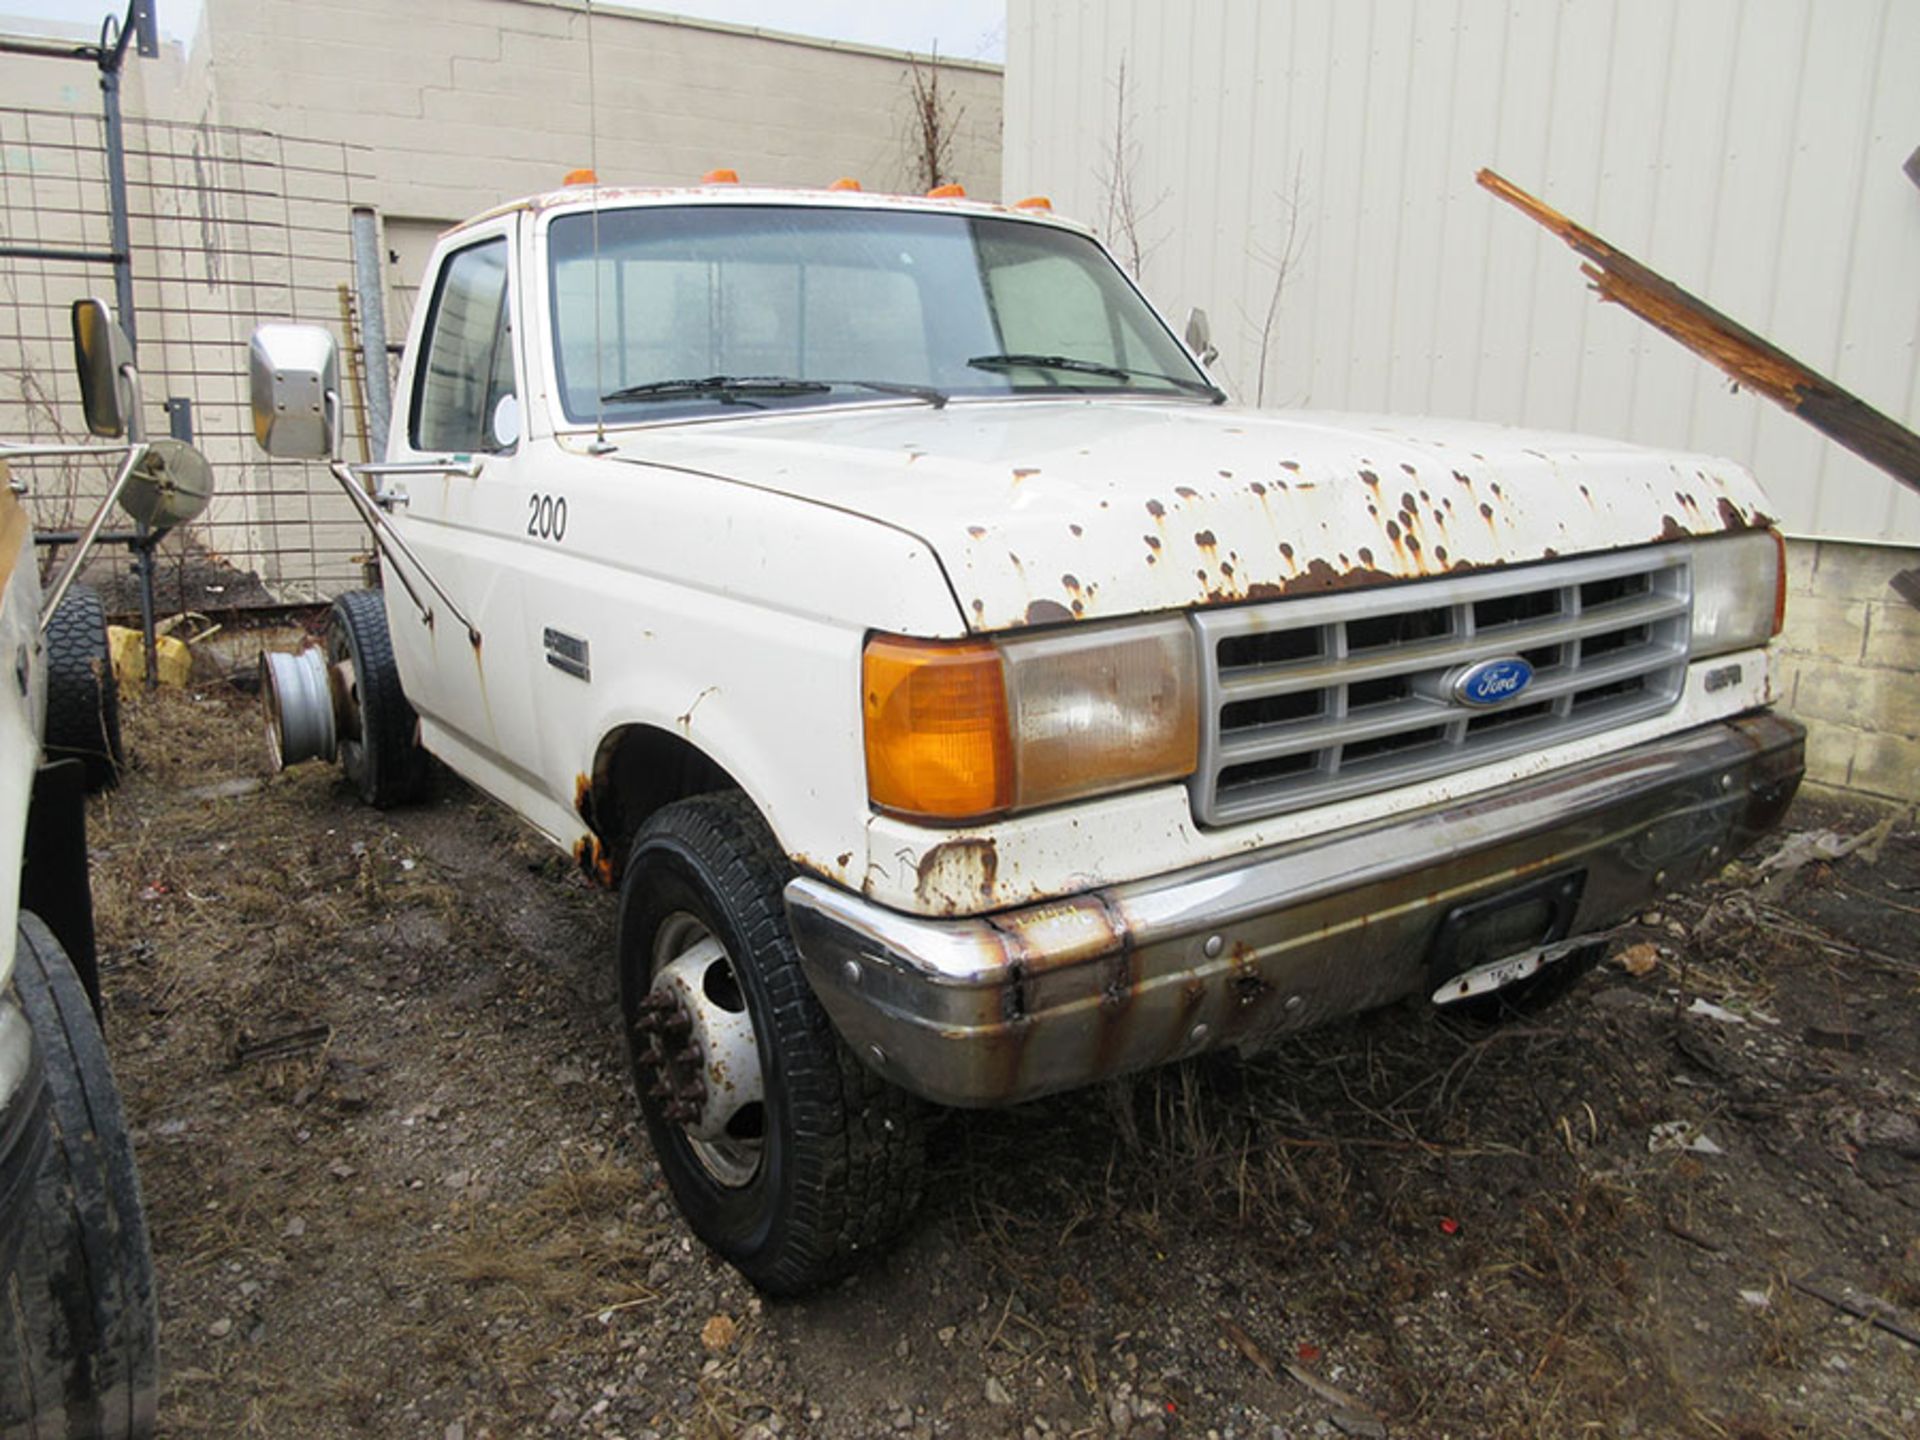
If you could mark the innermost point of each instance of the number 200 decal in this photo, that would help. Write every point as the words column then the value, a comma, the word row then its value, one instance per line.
column 547, row 517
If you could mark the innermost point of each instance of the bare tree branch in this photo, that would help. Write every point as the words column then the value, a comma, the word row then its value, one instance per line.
column 932, row 121
column 1281, row 262
column 1127, row 215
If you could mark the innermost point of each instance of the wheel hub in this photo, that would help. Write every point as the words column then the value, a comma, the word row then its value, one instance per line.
column 696, row 1042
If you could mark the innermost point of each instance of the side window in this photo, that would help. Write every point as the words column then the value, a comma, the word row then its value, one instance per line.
column 468, row 364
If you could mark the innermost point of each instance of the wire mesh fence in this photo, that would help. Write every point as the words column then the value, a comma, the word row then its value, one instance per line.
column 227, row 228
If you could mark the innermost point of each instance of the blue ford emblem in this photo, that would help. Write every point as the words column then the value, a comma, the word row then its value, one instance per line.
column 1493, row 682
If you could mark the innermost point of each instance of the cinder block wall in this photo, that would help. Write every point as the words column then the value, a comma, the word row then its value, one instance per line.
column 1850, row 666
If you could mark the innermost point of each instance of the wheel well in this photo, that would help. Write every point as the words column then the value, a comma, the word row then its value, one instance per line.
column 638, row 769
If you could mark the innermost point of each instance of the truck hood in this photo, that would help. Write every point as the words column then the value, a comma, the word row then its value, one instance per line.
column 1058, row 510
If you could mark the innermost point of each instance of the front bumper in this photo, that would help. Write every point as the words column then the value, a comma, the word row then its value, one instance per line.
column 24, row 1125
column 994, row 1009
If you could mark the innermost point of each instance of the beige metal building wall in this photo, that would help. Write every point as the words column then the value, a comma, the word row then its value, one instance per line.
column 1749, row 149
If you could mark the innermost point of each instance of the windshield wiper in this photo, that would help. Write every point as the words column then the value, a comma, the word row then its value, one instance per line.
column 739, row 389
column 726, row 388
column 1074, row 363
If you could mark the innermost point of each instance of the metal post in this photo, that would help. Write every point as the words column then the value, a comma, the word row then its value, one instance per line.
column 111, row 57
column 370, row 290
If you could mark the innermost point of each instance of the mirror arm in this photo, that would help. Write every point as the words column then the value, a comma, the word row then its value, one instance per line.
column 129, row 380
column 135, row 453
column 389, row 541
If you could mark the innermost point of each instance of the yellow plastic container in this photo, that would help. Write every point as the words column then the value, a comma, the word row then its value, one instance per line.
column 173, row 659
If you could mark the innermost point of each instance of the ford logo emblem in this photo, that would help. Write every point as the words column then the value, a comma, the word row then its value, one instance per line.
column 1492, row 682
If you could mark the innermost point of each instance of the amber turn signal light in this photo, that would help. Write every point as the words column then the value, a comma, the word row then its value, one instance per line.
column 936, row 723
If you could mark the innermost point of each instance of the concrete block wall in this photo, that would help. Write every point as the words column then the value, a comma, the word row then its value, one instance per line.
column 1850, row 666
column 465, row 103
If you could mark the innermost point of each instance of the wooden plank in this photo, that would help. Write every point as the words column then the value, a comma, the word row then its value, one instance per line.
column 1749, row 359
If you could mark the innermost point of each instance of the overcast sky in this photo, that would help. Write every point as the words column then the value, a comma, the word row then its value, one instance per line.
column 965, row 29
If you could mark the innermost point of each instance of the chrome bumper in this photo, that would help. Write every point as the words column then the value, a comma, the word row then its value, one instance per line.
column 994, row 1009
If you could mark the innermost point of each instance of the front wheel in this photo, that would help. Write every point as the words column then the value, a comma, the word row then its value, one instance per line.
column 786, row 1155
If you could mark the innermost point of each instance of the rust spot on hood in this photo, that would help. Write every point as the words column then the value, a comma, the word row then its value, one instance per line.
column 1732, row 518
column 1156, row 509
column 1047, row 612
column 1185, row 493
column 978, row 532
column 1205, row 540
column 1023, row 472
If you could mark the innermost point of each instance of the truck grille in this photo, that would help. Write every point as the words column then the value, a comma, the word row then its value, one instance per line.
column 1312, row 700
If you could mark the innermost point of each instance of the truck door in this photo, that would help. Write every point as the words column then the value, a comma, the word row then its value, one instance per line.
column 464, row 387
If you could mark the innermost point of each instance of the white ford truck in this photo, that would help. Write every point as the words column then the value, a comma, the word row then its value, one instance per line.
column 968, row 702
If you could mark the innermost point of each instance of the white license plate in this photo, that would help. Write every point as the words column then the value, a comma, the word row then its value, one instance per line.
column 1497, row 974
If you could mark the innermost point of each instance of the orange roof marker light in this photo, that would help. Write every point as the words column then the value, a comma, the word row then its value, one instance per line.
column 581, row 177
column 721, row 176
column 947, row 192
column 845, row 182
column 1033, row 202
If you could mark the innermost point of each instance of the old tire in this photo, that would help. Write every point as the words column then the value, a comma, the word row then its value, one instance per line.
column 378, row 748
column 83, row 700
column 837, row 1168
column 78, row 1326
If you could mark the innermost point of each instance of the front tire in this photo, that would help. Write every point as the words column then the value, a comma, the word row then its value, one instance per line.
column 379, row 752
column 821, row 1163
column 78, row 1325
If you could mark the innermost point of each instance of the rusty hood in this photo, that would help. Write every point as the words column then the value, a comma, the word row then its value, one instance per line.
column 1057, row 510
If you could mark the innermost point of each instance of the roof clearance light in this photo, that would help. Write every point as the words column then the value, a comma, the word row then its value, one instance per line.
column 1033, row 202
column 581, row 177
column 947, row 192
column 721, row 176
column 845, row 182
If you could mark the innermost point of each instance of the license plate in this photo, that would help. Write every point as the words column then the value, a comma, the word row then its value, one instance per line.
column 1498, row 974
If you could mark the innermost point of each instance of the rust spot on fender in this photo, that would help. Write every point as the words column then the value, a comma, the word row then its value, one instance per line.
column 956, row 874
column 1047, row 612
column 594, row 861
column 583, row 797
column 845, row 859
column 1076, row 530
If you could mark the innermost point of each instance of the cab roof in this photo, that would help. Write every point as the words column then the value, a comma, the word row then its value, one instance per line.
column 584, row 197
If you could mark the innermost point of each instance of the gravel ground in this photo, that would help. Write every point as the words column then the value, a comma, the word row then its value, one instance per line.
column 398, row 1187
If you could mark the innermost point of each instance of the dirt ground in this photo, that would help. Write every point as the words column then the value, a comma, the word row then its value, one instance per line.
column 397, row 1185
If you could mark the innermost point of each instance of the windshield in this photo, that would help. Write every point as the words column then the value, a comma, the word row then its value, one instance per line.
column 704, row 308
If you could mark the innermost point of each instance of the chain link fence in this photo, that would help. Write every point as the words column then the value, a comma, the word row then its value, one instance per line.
column 228, row 228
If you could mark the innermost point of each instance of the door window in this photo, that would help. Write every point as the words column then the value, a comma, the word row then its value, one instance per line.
column 467, row 368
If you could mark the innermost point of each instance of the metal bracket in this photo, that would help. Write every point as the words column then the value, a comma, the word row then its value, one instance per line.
column 388, row 539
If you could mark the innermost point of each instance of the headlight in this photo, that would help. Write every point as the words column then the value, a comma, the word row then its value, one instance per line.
column 961, row 730
column 1739, row 592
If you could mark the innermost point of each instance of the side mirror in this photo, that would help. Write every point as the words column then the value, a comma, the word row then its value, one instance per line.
column 1200, row 336
column 100, row 349
column 170, row 486
column 295, row 379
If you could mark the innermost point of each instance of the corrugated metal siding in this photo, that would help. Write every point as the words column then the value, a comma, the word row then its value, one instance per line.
column 1749, row 149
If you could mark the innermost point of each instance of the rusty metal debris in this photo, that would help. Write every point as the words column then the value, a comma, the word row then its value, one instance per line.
column 1743, row 355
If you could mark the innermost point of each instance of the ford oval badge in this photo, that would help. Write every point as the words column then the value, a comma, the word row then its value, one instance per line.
column 1492, row 682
